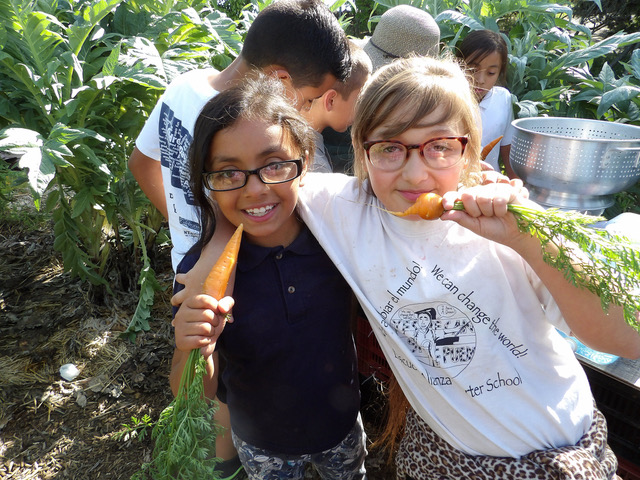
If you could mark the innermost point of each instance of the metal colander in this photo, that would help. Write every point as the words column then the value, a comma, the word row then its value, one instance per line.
column 573, row 162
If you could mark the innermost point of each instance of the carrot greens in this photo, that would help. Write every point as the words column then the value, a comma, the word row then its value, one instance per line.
column 185, row 433
column 589, row 257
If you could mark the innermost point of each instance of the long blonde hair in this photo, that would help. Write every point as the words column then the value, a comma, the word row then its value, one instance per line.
column 401, row 94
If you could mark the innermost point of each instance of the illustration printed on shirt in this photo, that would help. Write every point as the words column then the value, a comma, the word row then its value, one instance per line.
column 175, row 141
column 439, row 335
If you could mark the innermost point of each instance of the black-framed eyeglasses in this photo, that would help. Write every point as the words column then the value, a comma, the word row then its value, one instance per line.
column 438, row 153
column 274, row 172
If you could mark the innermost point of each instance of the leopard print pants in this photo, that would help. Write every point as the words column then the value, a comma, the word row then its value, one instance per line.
column 423, row 455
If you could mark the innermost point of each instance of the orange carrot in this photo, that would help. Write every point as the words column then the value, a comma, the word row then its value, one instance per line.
column 427, row 206
column 187, row 424
column 487, row 149
column 218, row 278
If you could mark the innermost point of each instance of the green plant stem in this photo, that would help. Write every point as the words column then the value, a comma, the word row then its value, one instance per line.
column 186, row 380
column 185, row 433
column 590, row 258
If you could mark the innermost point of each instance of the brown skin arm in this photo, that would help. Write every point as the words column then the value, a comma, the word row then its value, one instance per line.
column 148, row 174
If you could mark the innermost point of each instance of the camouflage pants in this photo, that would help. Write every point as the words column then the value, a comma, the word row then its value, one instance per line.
column 345, row 461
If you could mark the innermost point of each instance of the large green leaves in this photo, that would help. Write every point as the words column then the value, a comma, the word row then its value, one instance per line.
column 551, row 57
column 30, row 36
column 81, row 78
column 28, row 146
column 89, row 17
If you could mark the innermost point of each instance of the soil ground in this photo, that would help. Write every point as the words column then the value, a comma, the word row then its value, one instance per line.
column 55, row 429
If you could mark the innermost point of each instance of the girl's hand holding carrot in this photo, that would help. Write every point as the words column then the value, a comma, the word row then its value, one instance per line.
column 485, row 212
column 200, row 321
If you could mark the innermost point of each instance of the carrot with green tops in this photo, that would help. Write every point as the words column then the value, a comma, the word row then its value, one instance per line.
column 185, row 432
column 590, row 258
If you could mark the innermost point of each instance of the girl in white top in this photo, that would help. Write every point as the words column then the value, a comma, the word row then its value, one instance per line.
column 464, row 307
column 485, row 53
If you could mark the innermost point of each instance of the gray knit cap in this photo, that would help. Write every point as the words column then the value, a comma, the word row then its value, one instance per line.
column 403, row 30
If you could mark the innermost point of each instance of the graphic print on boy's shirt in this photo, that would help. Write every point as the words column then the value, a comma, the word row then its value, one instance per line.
column 443, row 335
column 174, row 141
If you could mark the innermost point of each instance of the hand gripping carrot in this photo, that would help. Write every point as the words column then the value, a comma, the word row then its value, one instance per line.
column 216, row 282
column 601, row 255
column 185, row 433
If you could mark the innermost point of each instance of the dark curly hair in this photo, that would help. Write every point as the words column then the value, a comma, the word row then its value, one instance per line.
column 256, row 97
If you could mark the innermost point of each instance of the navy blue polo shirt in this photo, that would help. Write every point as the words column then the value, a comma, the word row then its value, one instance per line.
column 291, row 371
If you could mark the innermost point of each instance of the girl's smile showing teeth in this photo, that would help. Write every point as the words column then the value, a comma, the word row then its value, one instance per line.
column 260, row 212
column 266, row 202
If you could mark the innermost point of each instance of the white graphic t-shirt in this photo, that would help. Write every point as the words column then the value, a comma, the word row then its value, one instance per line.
column 166, row 137
column 496, row 112
column 468, row 329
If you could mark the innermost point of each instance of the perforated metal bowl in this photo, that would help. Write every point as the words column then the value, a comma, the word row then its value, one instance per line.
column 575, row 163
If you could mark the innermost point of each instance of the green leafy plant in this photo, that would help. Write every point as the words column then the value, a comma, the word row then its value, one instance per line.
column 59, row 86
column 185, row 433
column 11, row 175
column 611, row 15
column 627, row 201
column 138, row 428
column 78, row 81
column 556, row 66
